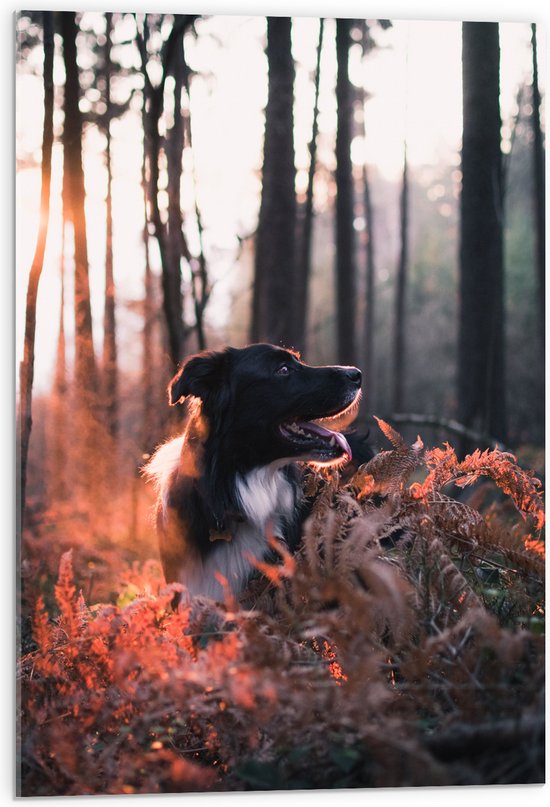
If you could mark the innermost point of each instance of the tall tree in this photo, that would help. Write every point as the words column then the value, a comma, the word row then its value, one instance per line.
column 399, row 363
column 86, row 467
column 345, row 234
column 370, row 291
column 176, row 245
column 110, row 365
column 481, row 387
column 303, row 266
column 148, row 419
column 368, row 357
column 539, row 190
column 272, row 309
column 200, row 285
column 26, row 376
column 369, row 372
column 58, row 450
column 153, row 99
column 85, row 373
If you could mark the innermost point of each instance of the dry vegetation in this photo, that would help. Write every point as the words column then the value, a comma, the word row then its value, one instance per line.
column 402, row 646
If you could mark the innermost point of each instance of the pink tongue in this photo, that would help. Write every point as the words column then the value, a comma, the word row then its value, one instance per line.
column 327, row 433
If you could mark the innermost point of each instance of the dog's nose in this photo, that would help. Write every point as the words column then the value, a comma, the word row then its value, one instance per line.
column 354, row 375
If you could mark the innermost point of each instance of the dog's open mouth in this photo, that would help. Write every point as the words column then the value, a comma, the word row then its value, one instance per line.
column 320, row 439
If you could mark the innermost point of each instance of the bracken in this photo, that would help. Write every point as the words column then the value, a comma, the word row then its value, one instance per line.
column 401, row 646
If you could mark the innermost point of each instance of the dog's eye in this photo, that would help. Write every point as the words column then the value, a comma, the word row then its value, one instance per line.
column 284, row 369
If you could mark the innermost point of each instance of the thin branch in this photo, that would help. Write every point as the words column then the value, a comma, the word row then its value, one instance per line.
column 467, row 740
column 449, row 425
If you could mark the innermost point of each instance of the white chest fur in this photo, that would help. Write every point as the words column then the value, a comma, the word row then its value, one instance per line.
column 266, row 498
column 265, row 493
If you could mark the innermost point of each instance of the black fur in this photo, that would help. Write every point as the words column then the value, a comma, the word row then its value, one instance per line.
column 235, row 426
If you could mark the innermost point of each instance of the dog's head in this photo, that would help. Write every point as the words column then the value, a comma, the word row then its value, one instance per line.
column 266, row 405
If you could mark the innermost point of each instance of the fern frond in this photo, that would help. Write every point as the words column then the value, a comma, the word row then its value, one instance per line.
column 65, row 591
column 523, row 487
column 42, row 631
column 442, row 464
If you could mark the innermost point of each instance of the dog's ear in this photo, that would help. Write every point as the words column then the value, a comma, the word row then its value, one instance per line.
column 200, row 376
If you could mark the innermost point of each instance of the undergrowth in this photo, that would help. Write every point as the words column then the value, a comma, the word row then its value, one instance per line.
column 403, row 645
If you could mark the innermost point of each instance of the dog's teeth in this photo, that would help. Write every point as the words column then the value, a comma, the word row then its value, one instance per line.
column 332, row 441
column 297, row 429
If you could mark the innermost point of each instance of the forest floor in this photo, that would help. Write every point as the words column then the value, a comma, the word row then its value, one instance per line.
column 402, row 646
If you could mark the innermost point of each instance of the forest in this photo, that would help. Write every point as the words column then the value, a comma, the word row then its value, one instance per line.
column 186, row 182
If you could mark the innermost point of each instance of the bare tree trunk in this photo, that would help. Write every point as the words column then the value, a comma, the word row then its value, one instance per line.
column 175, row 244
column 110, row 368
column 370, row 294
column 154, row 104
column 26, row 376
column 200, row 282
column 399, row 363
column 346, row 293
column 481, row 386
column 149, row 418
column 272, row 311
column 369, row 369
column 59, row 395
column 303, row 268
column 85, row 373
column 539, row 196
column 148, row 428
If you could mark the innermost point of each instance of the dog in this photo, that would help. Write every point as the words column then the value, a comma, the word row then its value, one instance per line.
column 255, row 416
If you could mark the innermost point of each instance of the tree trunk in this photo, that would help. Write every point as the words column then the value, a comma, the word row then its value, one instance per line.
column 85, row 427
column 399, row 363
column 369, row 369
column 370, row 294
column 346, row 293
column 110, row 369
column 481, row 387
column 539, row 192
column 175, row 244
column 85, row 374
column 153, row 99
column 303, row 269
column 200, row 282
column 58, row 434
column 26, row 376
column 149, row 422
column 272, row 315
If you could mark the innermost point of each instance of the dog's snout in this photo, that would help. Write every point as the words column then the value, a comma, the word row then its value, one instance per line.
column 354, row 375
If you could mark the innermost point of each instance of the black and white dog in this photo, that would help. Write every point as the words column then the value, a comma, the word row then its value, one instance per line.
column 233, row 477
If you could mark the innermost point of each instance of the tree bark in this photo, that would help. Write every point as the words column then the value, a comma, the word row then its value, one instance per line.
column 26, row 376
column 199, row 270
column 370, row 294
column 272, row 314
column 85, row 373
column 303, row 268
column 110, row 366
column 176, row 247
column 399, row 363
column 58, row 475
column 346, row 293
column 368, row 363
column 148, row 421
column 481, row 370
column 153, row 99
column 539, row 192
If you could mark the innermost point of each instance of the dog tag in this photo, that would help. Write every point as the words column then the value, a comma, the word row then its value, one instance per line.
column 215, row 535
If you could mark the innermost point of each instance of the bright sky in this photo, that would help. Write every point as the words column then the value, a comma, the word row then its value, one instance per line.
column 415, row 82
